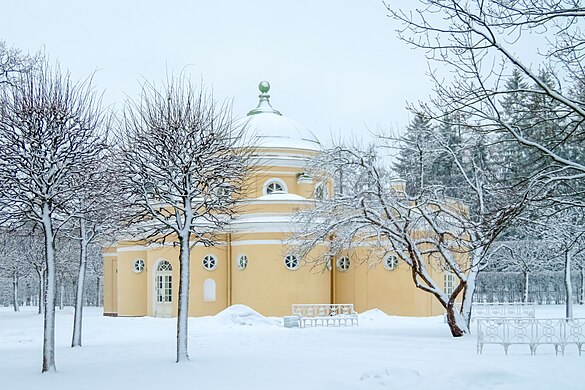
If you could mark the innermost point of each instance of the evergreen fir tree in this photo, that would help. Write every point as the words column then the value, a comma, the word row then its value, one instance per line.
column 415, row 158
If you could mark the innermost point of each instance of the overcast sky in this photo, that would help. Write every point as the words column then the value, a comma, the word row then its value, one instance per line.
column 335, row 66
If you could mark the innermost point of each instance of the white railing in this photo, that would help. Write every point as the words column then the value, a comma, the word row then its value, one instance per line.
column 325, row 314
column 503, row 310
column 559, row 332
column 499, row 310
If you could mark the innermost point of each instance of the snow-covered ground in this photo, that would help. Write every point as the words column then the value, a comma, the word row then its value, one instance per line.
column 240, row 349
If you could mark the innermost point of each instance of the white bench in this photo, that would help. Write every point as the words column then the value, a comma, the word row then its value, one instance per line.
column 325, row 314
column 559, row 332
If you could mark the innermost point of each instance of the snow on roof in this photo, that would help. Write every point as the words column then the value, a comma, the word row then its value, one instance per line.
column 270, row 129
column 281, row 196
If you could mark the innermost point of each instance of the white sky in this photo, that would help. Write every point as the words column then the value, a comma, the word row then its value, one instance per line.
column 335, row 66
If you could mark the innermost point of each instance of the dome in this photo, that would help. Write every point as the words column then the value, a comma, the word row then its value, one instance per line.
column 271, row 129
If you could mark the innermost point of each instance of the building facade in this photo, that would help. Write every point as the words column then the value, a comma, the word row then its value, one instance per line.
column 253, row 265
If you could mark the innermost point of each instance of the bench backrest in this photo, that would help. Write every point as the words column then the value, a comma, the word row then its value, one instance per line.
column 323, row 310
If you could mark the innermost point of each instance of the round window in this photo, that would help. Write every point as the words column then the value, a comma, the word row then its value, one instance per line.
column 320, row 191
column 242, row 262
column 209, row 262
column 138, row 266
column 291, row 262
column 390, row 262
column 343, row 264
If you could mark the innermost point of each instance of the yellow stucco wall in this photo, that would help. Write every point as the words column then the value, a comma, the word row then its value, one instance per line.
column 266, row 284
column 131, row 285
column 271, row 288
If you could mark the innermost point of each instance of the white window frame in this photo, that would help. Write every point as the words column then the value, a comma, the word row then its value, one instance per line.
column 204, row 261
column 239, row 265
column 449, row 280
column 394, row 265
column 164, row 265
column 288, row 260
column 138, row 266
column 274, row 180
column 343, row 264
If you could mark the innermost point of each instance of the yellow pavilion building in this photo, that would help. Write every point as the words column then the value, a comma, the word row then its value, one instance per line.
column 254, row 266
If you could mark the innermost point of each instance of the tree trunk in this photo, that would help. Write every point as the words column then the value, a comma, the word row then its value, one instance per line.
column 98, row 289
column 456, row 322
column 15, row 291
column 582, row 298
column 78, row 315
column 61, row 295
column 42, row 278
column 568, row 286
column 526, row 277
column 50, row 296
column 467, row 301
column 183, row 315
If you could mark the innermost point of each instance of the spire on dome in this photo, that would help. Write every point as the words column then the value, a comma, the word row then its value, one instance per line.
column 264, row 103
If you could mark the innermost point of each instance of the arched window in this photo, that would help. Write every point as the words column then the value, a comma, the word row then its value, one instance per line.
column 242, row 262
column 274, row 186
column 343, row 264
column 163, row 288
column 390, row 262
column 209, row 262
column 209, row 290
column 164, row 266
column 291, row 262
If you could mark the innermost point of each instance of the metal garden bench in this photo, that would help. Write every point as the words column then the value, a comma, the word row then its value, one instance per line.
column 322, row 315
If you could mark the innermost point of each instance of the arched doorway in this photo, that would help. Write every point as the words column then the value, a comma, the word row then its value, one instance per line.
column 163, row 290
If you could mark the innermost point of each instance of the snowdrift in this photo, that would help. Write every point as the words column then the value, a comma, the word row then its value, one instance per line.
column 373, row 315
column 243, row 315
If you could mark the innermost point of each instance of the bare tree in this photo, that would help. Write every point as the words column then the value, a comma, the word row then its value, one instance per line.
column 32, row 253
column 429, row 231
column 12, row 263
column 14, row 63
column 478, row 42
column 580, row 264
column 527, row 255
column 565, row 230
column 183, row 164
column 96, row 271
column 48, row 148
column 97, row 218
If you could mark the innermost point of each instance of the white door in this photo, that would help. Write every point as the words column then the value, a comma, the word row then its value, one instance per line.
column 163, row 283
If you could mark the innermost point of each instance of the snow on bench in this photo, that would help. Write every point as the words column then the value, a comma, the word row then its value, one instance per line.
column 559, row 332
column 322, row 315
